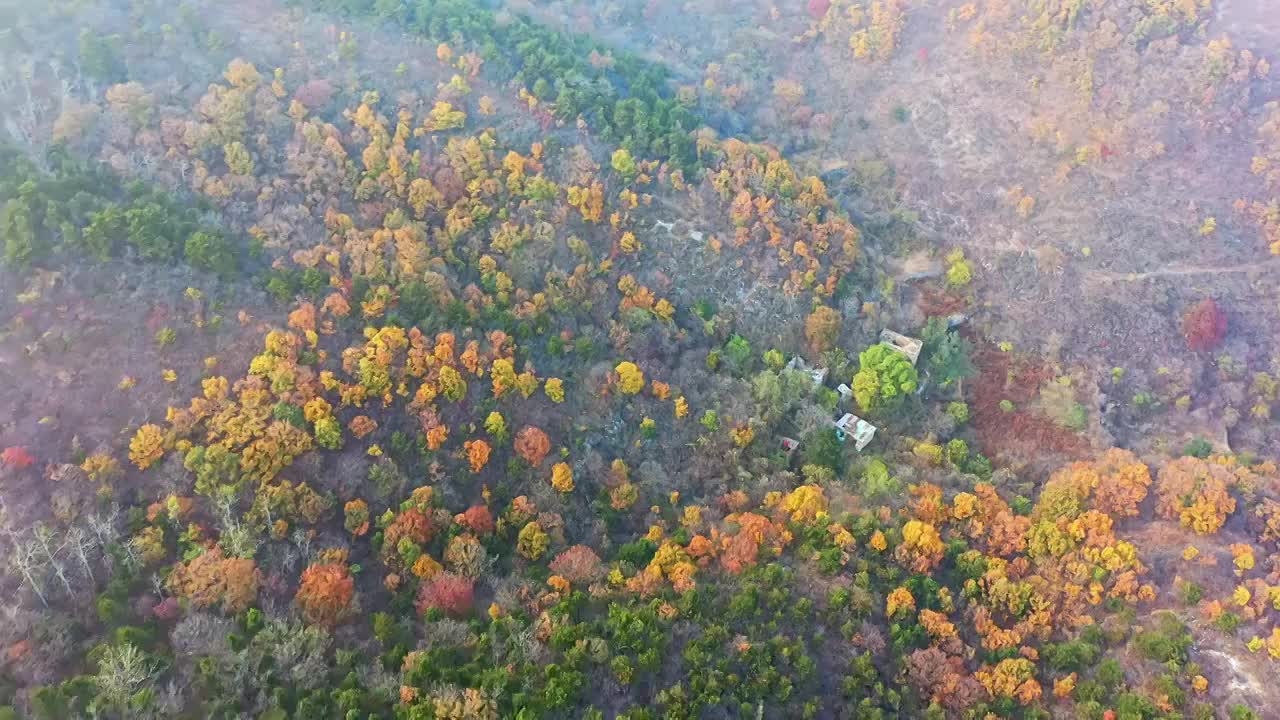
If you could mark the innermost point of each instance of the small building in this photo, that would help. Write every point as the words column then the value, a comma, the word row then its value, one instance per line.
column 908, row 346
column 789, row 445
column 852, row 426
column 846, row 392
column 819, row 375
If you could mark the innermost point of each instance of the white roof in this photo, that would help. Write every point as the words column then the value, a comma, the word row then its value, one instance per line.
column 908, row 346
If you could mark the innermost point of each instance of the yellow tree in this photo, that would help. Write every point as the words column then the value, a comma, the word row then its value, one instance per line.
column 1196, row 493
column 147, row 446
column 921, row 549
column 805, row 504
column 1115, row 484
column 630, row 378
column 821, row 329
column 554, row 388
column 562, row 477
column 1011, row 678
column 899, row 600
column 532, row 542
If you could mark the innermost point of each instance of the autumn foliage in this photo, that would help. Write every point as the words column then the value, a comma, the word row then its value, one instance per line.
column 447, row 592
column 477, row 519
column 147, row 446
column 16, row 457
column 532, row 444
column 412, row 525
column 630, row 378
column 1011, row 678
column 477, row 454
column 1115, row 484
column 921, row 548
column 211, row 580
column 356, row 517
column 1196, row 493
column 562, row 477
column 821, row 328
column 578, row 564
column 943, row 678
column 325, row 594
column 936, row 601
column 1204, row 326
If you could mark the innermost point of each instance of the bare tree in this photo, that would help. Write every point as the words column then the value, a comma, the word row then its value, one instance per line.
column 105, row 527
column 123, row 670
column 47, row 544
column 82, row 545
column 303, row 542
column 23, row 561
column 23, row 556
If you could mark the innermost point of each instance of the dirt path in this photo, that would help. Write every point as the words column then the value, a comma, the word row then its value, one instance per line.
column 1272, row 264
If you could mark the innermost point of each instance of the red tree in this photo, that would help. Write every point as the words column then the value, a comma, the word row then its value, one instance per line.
column 17, row 458
column 818, row 8
column 324, row 596
column 578, row 564
column 410, row 524
column 453, row 594
column 1204, row 326
column 477, row 519
column 533, row 445
column 739, row 553
column 942, row 679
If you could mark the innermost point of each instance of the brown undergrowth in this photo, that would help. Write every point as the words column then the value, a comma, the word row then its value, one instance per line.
column 1021, row 432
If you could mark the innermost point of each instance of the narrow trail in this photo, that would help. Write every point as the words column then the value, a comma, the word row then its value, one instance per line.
column 1271, row 264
